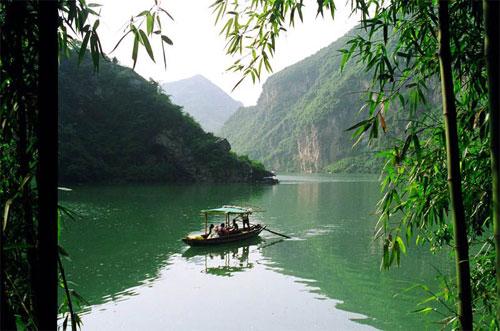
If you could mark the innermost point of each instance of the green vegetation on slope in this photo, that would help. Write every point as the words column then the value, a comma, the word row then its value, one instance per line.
column 363, row 163
column 117, row 127
column 301, row 116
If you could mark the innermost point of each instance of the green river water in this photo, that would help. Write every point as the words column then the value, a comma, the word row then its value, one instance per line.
column 128, row 262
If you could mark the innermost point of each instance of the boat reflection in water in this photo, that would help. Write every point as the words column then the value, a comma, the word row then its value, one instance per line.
column 224, row 260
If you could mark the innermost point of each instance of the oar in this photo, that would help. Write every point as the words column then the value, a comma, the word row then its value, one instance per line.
column 279, row 234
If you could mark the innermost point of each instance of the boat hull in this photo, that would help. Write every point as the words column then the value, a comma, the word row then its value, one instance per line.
column 253, row 232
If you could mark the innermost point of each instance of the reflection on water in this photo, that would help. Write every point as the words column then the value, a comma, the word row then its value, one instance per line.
column 224, row 260
column 129, row 263
column 127, row 233
column 307, row 195
column 190, row 294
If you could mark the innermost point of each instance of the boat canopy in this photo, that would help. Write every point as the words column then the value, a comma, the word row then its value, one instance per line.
column 228, row 210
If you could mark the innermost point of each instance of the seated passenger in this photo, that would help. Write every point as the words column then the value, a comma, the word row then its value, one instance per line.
column 235, row 225
column 214, row 233
column 209, row 230
column 222, row 229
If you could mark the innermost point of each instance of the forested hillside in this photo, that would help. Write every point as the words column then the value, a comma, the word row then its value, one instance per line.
column 114, row 126
column 202, row 99
column 301, row 117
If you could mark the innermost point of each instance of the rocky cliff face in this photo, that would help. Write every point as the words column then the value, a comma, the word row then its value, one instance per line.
column 308, row 150
column 300, row 119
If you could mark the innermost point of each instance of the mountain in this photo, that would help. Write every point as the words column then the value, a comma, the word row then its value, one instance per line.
column 301, row 116
column 114, row 126
column 202, row 99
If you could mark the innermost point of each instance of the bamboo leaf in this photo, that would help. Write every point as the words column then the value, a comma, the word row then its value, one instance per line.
column 416, row 144
column 62, row 251
column 382, row 122
column 406, row 146
column 425, row 310
column 401, row 244
column 135, row 49
column 94, row 51
column 385, row 256
column 143, row 13
column 239, row 82
column 158, row 20
column 79, row 297
column 146, row 43
column 119, row 41
column 374, row 131
column 65, row 323
column 83, row 47
column 166, row 39
column 357, row 125
column 393, row 252
column 299, row 10
column 385, row 34
column 149, row 23
column 168, row 14
column 398, row 254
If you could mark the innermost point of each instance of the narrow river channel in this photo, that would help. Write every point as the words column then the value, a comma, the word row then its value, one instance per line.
column 128, row 262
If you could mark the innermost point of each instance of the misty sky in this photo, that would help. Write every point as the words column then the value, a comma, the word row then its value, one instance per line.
column 199, row 49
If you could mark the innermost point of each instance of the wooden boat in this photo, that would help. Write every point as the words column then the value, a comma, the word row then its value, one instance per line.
column 239, row 235
column 223, row 249
column 233, row 236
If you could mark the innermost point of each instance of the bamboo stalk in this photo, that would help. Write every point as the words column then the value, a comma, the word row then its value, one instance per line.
column 68, row 295
column 46, row 176
column 491, row 12
column 454, row 177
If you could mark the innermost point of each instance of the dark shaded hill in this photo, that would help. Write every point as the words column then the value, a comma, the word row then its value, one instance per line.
column 301, row 116
column 202, row 99
column 115, row 126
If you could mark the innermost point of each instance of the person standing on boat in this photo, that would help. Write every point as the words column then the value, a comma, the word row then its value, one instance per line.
column 246, row 221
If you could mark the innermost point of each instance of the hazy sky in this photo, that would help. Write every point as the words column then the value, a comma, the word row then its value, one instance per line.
column 199, row 49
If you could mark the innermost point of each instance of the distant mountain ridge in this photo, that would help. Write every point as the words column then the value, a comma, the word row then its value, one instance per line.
column 206, row 102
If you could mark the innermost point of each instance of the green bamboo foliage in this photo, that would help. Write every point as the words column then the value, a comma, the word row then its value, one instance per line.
column 397, row 41
column 38, row 33
column 491, row 10
column 454, row 177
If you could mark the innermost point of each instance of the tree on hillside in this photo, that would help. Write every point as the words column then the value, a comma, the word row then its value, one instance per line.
column 401, row 52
